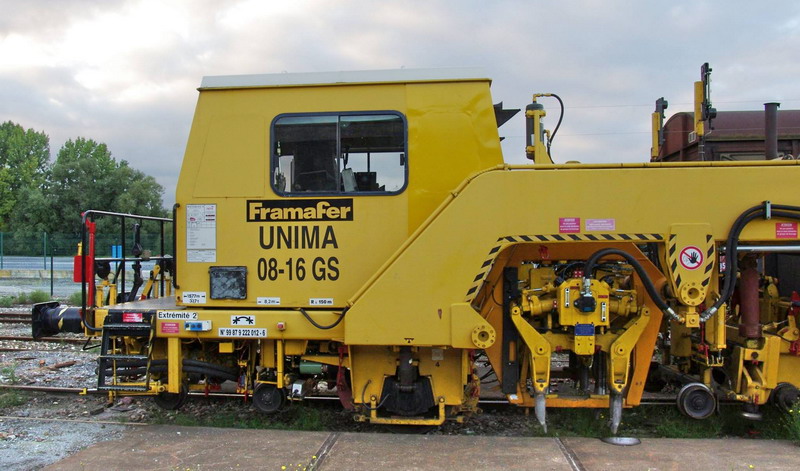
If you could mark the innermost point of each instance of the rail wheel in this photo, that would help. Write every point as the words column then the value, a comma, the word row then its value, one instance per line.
column 172, row 401
column 784, row 396
column 696, row 400
column 268, row 399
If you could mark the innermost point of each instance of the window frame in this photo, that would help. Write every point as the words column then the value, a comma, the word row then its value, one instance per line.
column 274, row 163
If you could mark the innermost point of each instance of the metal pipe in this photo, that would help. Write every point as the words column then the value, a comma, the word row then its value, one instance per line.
column 771, row 130
column 750, row 327
column 768, row 248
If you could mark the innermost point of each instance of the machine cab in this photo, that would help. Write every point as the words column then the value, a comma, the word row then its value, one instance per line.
column 296, row 188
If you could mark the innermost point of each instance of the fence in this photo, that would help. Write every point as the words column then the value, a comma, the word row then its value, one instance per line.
column 46, row 246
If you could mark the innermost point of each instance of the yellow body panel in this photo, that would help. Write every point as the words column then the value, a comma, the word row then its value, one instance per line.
column 226, row 164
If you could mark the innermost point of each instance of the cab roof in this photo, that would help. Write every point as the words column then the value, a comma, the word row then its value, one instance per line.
column 343, row 78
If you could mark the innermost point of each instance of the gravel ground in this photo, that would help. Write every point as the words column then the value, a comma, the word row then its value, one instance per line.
column 40, row 428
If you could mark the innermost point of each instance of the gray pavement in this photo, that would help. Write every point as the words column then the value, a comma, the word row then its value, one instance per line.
column 197, row 448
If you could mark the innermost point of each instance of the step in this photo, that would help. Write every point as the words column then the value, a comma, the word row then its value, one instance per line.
column 143, row 328
column 123, row 388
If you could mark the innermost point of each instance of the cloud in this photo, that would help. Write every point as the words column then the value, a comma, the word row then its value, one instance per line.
column 125, row 73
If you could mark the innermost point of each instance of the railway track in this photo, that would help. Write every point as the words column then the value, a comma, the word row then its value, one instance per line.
column 22, row 338
column 660, row 401
column 15, row 318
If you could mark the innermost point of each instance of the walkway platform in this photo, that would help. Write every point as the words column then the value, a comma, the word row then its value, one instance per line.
column 199, row 448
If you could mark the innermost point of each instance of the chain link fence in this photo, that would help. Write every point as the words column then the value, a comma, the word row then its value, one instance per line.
column 44, row 261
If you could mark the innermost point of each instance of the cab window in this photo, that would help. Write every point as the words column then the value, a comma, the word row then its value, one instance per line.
column 339, row 153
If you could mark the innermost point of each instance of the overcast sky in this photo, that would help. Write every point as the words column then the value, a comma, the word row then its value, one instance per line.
column 126, row 72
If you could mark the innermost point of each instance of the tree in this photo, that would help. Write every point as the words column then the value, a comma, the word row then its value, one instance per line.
column 23, row 162
column 86, row 176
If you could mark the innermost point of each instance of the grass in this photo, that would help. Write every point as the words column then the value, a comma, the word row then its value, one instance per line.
column 8, row 373
column 38, row 296
column 792, row 422
column 75, row 299
column 303, row 417
column 12, row 399
column 668, row 422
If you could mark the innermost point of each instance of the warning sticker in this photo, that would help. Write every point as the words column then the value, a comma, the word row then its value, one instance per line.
column 786, row 230
column 170, row 328
column 601, row 225
column 691, row 258
column 569, row 225
column 132, row 317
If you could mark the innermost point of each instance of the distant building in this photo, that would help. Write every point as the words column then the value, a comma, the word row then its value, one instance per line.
column 734, row 135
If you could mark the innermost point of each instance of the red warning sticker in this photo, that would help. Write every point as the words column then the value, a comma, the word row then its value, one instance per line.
column 786, row 230
column 132, row 317
column 691, row 258
column 170, row 328
column 569, row 225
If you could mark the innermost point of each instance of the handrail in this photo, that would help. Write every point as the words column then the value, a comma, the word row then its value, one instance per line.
column 86, row 217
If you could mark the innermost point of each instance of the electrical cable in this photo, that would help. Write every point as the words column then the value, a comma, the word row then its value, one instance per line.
column 363, row 391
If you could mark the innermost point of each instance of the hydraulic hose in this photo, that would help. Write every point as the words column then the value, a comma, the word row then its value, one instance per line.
column 323, row 327
column 558, row 124
column 648, row 283
column 765, row 210
column 163, row 369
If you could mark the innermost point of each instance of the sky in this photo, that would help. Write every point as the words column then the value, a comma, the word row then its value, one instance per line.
column 126, row 73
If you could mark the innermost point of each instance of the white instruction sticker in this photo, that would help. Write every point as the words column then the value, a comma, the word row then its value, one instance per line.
column 242, row 332
column 194, row 297
column 201, row 256
column 320, row 302
column 179, row 315
column 601, row 225
column 243, row 320
column 266, row 301
column 201, row 233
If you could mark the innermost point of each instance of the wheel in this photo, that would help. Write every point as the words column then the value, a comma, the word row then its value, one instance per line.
column 696, row 400
column 784, row 396
column 172, row 401
column 268, row 399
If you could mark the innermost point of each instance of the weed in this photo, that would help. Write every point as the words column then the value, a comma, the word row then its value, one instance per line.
column 75, row 299
column 8, row 373
column 38, row 296
column 6, row 301
column 22, row 298
column 11, row 399
column 792, row 422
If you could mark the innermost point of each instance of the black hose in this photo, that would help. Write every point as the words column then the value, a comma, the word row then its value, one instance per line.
column 186, row 362
column 324, row 327
column 163, row 369
column 558, row 125
column 732, row 243
column 648, row 283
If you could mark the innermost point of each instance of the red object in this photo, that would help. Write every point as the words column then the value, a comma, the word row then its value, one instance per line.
column 786, row 230
column 569, row 225
column 342, row 388
column 170, row 328
column 544, row 253
column 132, row 317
